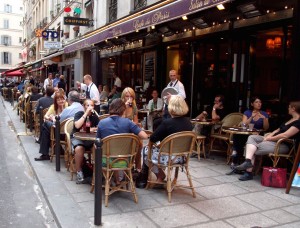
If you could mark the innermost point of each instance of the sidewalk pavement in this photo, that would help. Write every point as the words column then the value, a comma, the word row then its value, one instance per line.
column 222, row 201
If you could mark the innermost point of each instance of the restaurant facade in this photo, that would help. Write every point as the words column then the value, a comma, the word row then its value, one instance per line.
column 250, row 47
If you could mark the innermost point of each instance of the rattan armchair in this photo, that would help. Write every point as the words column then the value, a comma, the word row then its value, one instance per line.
column 118, row 154
column 231, row 120
column 175, row 145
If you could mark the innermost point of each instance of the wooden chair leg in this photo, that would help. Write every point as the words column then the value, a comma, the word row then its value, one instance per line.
column 190, row 181
column 107, row 185
column 135, row 197
column 169, row 184
column 203, row 149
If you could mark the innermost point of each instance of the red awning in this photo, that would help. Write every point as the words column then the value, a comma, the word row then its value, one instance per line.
column 14, row 73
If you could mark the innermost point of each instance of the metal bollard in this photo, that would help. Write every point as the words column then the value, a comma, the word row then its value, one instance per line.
column 41, row 118
column 57, row 142
column 98, row 183
column 30, row 117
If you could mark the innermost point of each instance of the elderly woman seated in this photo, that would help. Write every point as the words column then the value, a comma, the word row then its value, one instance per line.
column 261, row 145
column 178, row 109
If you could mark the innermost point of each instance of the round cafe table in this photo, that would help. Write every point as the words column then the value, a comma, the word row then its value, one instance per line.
column 85, row 136
column 241, row 131
column 203, row 122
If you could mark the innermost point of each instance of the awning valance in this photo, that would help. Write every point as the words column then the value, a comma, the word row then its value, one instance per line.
column 160, row 15
column 13, row 73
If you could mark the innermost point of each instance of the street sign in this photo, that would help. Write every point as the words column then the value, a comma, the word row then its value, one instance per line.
column 52, row 44
column 77, row 21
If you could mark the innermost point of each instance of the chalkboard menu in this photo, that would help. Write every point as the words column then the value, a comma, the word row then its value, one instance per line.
column 149, row 66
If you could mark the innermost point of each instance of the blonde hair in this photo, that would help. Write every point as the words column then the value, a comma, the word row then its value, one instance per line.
column 177, row 106
column 131, row 92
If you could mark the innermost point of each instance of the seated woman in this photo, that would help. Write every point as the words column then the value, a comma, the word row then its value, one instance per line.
column 259, row 118
column 131, row 112
column 80, row 120
column 261, row 145
column 116, row 123
column 155, row 107
column 104, row 93
column 178, row 109
column 59, row 104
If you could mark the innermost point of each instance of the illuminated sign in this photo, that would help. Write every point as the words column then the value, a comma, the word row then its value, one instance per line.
column 77, row 21
column 46, row 33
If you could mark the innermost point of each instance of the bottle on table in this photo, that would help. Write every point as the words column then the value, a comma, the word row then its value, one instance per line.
column 88, row 125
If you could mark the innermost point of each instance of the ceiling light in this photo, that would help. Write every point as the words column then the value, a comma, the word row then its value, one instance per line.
column 137, row 30
column 184, row 30
column 220, row 7
column 268, row 11
column 184, row 18
column 238, row 18
column 286, row 7
column 153, row 26
column 194, row 28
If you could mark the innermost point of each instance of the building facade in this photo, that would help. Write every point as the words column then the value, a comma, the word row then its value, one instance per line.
column 11, row 33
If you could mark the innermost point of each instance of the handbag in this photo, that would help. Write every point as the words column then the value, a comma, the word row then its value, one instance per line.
column 274, row 177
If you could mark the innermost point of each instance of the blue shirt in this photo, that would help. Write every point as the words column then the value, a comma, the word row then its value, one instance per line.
column 71, row 110
column 116, row 125
column 55, row 82
column 258, row 124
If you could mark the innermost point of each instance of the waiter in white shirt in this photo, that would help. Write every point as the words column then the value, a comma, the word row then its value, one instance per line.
column 178, row 86
column 118, row 82
column 91, row 91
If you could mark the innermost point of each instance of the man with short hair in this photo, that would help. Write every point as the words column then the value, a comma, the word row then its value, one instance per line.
column 48, row 81
column 46, row 101
column 56, row 80
column 91, row 90
column 175, row 83
column 118, row 82
column 74, row 107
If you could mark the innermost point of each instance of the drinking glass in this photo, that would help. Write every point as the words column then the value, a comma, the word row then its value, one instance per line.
column 251, row 125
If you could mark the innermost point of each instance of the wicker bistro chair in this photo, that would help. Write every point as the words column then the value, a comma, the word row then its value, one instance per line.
column 231, row 120
column 36, row 122
column 69, row 158
column 62, row 139
column 275, row 156
column 118, row 154
column 175, row 145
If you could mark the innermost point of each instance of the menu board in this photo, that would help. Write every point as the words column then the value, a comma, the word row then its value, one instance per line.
column 149, row 66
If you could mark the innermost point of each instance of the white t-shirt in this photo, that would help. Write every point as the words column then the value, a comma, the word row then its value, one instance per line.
column 94, row 92
column 179, row 86
column 48, row 82
column 118, row 82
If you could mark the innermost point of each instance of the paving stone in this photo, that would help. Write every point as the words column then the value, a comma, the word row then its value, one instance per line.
column 219, row 224
column 179, row 196
column 203, row 172
column 196, row 184
column 295, row 209
column 131, row 219
column 280, row 216
column 83, row 196
column 175, row 216
column 252, row 185
column 124, row 201
column 77, row 188
column 227, row 178
column 53, row 187
column 207, row 181
column 88, row 207
column 222, row 169
column 221, row 190
column 194, row 163
column 253, row 220
column 290, row 225
column 224, row 207
column 263, row 200
column 280, row 192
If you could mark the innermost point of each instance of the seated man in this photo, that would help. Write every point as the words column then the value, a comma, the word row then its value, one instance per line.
column 116, row 124
column 155, row 107
column 216, row 113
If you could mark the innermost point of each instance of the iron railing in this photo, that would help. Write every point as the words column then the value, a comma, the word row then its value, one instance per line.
column 138, row 4
column 113, row 6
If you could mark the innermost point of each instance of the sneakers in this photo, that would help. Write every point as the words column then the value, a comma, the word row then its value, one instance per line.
column 247, row 176
column 79, row 177
column 246, row 165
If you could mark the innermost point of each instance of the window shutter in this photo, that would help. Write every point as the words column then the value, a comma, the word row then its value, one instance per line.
column 9, row 58
column 9, row 40
column 2, row 39
column 2, row 57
